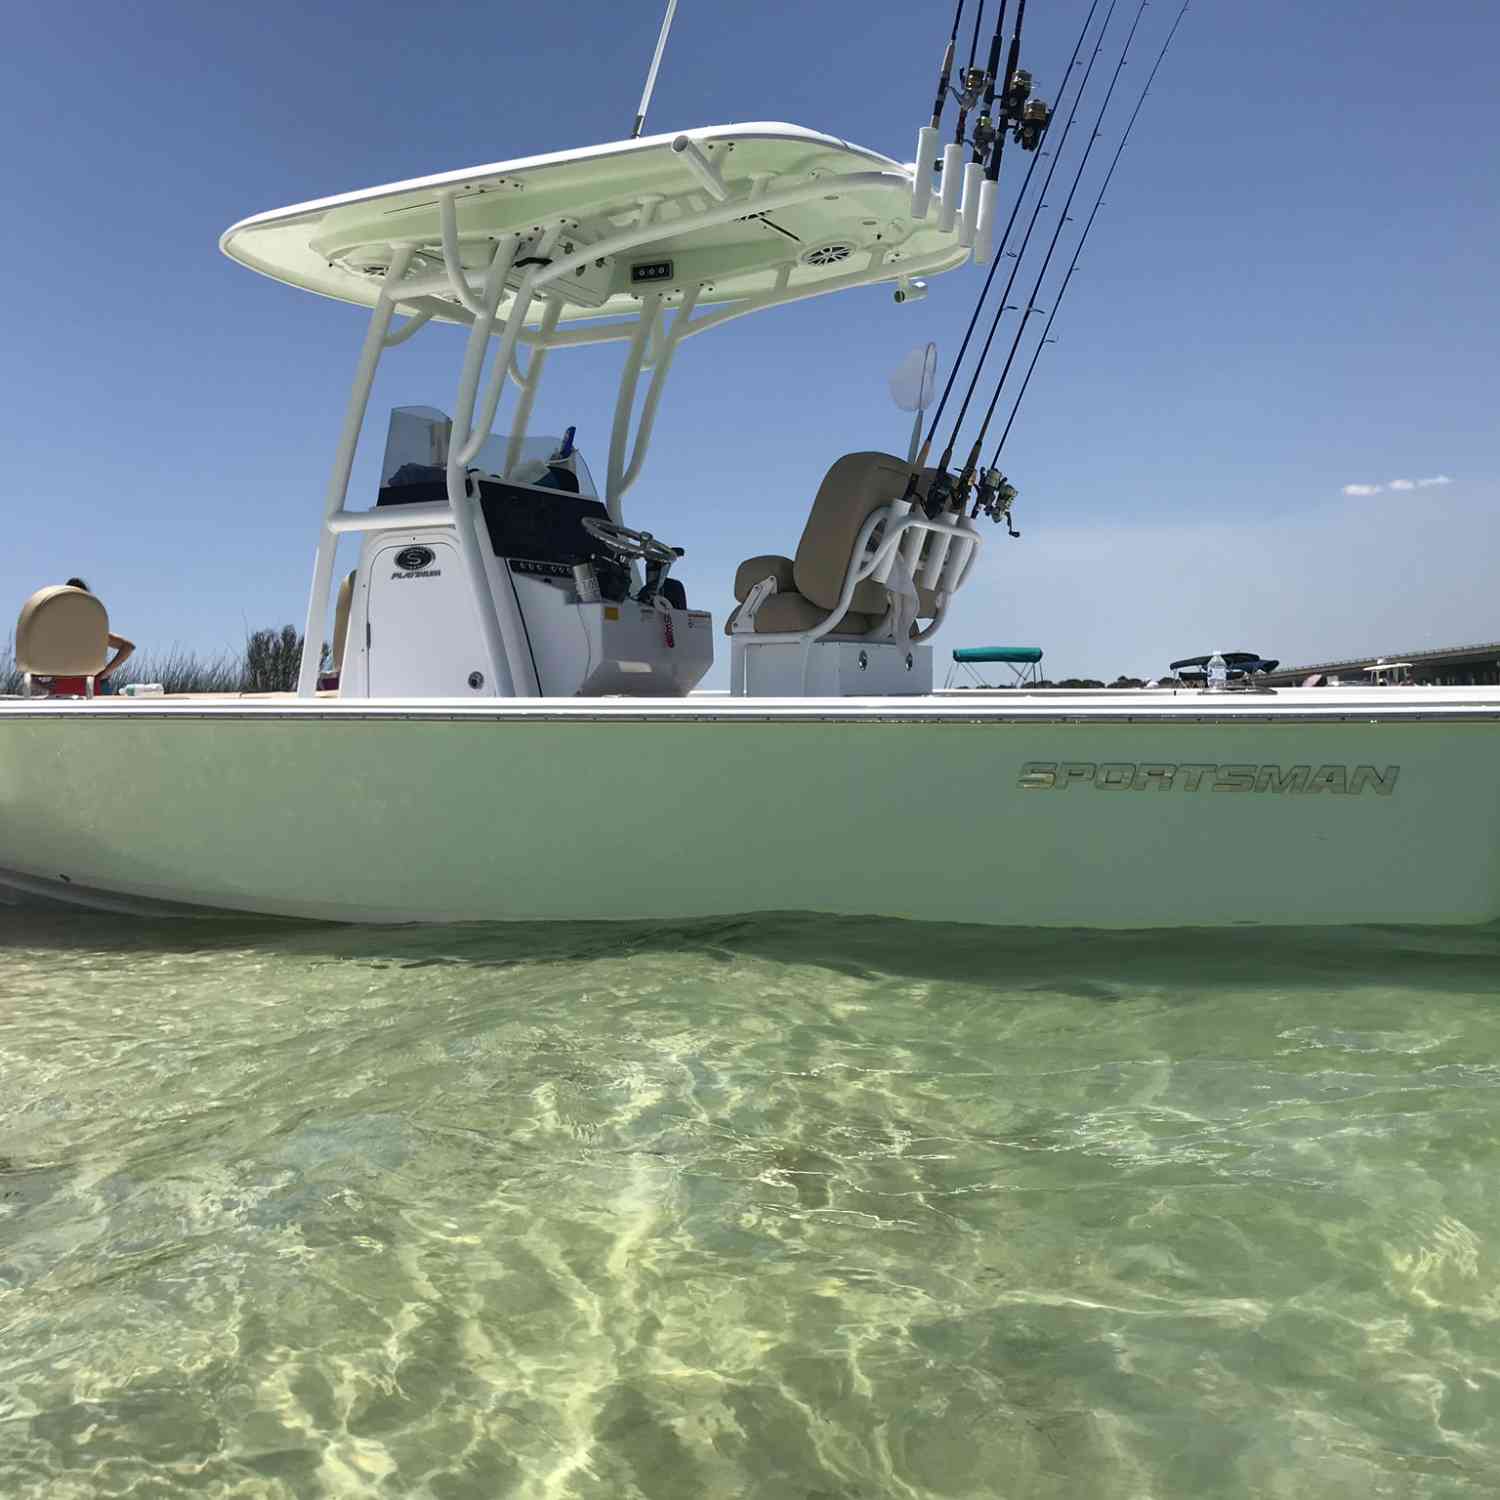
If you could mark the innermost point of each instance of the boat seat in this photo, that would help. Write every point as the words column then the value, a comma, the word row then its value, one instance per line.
column 341, row 620
column 808, row 585
column 62, row 632
column 328, row 681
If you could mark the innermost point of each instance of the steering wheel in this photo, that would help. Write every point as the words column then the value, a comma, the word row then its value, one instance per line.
column 627, row 544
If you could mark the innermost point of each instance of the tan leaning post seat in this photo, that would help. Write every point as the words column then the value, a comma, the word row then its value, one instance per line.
column 62, row 632
column 808, row 586
column 341, row 621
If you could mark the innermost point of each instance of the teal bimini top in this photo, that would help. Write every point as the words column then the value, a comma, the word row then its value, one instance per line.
column 1016, row 654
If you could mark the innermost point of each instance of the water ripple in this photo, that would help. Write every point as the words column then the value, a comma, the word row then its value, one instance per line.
column 781, row 1207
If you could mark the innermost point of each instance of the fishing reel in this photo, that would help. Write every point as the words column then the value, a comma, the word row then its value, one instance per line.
column 982, row 137
column 1016, row 95
column 994, row 498
column 971, row 84
column 1036, row 115
column 1026, row 117
column 939, row 495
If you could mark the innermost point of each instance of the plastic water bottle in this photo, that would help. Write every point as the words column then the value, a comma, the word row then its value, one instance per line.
column 143, row 690
column 1218, row 673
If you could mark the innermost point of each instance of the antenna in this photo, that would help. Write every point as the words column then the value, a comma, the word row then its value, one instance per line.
column 661, row 46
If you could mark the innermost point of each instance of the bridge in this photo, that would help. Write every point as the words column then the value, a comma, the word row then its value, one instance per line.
column 1445, row 666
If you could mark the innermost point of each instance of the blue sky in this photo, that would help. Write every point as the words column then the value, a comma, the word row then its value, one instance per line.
column 1292, row 290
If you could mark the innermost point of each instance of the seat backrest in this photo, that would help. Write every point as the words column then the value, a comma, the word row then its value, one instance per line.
column 62, row 632
column 856, row 484
column 341, row 621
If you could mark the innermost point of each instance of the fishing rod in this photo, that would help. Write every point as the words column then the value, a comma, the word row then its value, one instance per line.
column 984, row 126
column 960, row 488
column 661, row 46
column 984, row 180
column 1088, row 225
column 945, row 73
column 921, row 460
column 972, row 80
column 939, row 494
column 1012, row 67
column 927, row 141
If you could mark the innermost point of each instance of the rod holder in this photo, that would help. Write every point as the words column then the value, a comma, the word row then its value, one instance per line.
column 921, row 179
column 951, row 186
column 968, row 215
column 984, row 226
column 957, row 563
column 705, row 171
column 931, row 570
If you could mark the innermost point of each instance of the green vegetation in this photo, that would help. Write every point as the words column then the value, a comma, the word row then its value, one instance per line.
column 268, row 664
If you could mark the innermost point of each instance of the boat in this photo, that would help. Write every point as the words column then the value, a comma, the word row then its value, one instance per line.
column 1023, row 662
column 514, row 727
column 1233, row 665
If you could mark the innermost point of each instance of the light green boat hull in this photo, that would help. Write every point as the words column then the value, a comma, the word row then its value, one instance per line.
column 940, row 809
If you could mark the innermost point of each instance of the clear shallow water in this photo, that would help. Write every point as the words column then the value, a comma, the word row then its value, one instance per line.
column 787, row 1207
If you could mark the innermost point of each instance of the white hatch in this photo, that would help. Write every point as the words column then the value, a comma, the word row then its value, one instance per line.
column 417, row 616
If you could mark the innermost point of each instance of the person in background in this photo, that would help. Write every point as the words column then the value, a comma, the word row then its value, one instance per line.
column 117, row 643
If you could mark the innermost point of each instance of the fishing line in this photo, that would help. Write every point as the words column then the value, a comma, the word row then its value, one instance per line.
column 1078, row 249
column 1041, row 203
column 1057, row 233
column 984, row 292
column 1012, row 61
column 985, row 126
column 972, row 82
column 945, row 73
column 974, row 40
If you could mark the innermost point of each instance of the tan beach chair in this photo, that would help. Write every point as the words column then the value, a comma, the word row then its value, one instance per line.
column 62, row 632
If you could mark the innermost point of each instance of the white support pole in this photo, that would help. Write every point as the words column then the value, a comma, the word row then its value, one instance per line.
column 664, row 359
column 459, row 500
column 657, row 345
column 392, row 518
column 932, row 626
column 625, row 403
column 525, row 294
column 417, row 321
column 452, row 263
column 343, row 464
column 478, row 345
column 529, row 385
